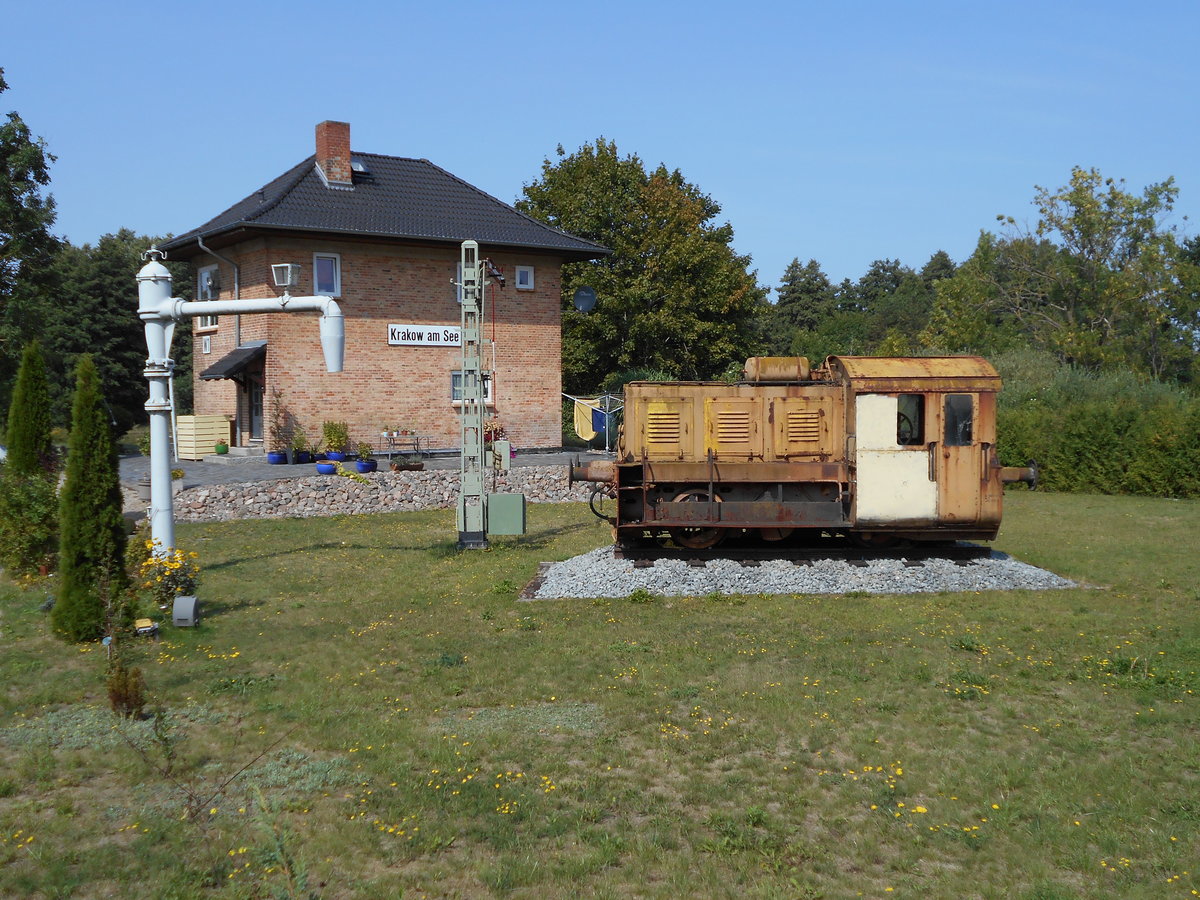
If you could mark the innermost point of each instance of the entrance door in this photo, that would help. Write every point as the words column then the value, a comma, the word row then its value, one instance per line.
column 255, row 387
column 961, row 459
column 892, row 470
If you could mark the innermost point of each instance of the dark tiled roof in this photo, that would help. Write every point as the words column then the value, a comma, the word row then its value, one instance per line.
column 397, row 198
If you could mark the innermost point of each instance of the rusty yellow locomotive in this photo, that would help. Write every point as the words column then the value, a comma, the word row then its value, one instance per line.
column 878, row 449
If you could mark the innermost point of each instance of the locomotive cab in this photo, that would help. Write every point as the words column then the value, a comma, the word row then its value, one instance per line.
column 922, row 446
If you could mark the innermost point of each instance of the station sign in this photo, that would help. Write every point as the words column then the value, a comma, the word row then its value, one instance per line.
column 424, row 336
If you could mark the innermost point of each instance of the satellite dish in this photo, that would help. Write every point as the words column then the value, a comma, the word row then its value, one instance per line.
column 585, row 299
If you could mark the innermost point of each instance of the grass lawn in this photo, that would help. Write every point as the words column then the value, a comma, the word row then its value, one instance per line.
column 366, row 712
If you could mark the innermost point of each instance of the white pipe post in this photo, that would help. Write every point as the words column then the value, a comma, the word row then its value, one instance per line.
column 154, row 296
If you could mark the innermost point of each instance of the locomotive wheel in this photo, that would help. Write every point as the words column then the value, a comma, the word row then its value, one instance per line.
column 873, row 540
column 696, row 538
column 775, row 534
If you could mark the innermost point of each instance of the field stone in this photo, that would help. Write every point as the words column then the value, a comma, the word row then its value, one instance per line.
column 331, row 495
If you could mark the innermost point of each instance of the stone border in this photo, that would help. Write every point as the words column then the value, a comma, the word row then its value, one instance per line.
column 334, row 495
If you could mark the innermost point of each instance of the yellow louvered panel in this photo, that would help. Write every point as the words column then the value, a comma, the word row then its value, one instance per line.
column 803, row 427
column 733, row 426
column 662, row 427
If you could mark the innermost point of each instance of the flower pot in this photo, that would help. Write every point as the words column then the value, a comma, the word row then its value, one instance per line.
column 301, row 456
column 366, row 465
column 221, row 449
column 326, row 468
column 143, row 490
column 336, row 455
column 276, row 457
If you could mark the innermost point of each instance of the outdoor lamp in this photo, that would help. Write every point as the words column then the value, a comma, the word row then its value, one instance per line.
column 286, row 275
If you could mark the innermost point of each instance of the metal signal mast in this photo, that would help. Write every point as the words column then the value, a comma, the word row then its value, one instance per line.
column 480, row 514
column 472, row 500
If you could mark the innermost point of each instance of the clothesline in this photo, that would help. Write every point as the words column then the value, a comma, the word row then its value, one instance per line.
column 593, row 415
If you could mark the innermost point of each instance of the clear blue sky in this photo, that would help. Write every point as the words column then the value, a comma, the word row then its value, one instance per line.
column 842, row 132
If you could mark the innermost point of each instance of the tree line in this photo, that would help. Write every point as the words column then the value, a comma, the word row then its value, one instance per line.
column 1101, row 280
column 74, row 300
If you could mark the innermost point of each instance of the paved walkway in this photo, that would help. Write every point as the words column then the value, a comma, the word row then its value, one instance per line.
column 235, row 469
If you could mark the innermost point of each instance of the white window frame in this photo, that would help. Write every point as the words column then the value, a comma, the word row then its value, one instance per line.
column 458, row 278
column 205, row 323
column 524, row 271
column 489, row 385
column 337, row 274
column 206, row 344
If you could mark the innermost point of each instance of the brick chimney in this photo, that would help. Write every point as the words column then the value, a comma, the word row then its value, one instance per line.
column 333, row 152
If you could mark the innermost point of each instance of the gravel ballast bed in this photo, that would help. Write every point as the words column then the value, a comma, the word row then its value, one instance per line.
column 599, row 574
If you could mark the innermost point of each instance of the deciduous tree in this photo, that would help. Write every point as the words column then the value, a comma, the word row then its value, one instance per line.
column 1101, row 280
column 26, row 245
column 672, row 296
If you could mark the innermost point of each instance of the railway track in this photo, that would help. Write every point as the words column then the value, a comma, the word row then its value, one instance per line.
column 961, row 553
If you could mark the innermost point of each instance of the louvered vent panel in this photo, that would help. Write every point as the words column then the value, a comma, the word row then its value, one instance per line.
column 804, row 427
column 662, row 428
column 733, row 426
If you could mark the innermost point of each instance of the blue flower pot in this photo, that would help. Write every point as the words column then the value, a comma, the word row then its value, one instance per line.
column 336, row 455
column 276, row 457
column 326, row 468
column 366, row 465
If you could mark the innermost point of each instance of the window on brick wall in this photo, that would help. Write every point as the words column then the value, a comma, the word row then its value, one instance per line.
column 524, row 278
column 456, row 387
column 327, row 274
column 208, row 287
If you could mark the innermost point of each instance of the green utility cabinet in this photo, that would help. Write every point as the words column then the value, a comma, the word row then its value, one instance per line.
column 505, row 514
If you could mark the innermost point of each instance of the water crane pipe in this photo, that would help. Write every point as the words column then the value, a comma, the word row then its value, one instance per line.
column 159, row 311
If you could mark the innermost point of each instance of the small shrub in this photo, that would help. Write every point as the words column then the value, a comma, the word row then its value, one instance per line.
column 336, row 435
column 448, row 660
column 640, row 595
column 126, row 690
column 168, row 575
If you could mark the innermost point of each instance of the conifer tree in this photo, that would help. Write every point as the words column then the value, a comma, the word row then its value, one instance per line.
column 29, row 449
column 92, row 529
column 28, row 507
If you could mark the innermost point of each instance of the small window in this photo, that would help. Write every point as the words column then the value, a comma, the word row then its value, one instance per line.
column 208, row 283
column 524, row 278
column 910, row 420
column 208, row 287
column 456, row 386
column 206, row 344
column 456, row 283
column 959, row 420
column 327, row 274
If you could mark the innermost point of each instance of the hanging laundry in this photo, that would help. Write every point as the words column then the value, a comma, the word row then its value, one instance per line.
column 585, row 419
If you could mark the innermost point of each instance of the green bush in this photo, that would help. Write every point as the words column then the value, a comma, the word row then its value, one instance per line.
column 1097, row 432
column 28, row 522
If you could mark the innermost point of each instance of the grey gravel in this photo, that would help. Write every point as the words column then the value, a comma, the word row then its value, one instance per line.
column 599, row 574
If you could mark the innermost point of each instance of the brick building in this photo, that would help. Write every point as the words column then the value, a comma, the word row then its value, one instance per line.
column 381, row 234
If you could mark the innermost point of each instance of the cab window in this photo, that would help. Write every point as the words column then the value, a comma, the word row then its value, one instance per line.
column 910, row 420
column 959, row 420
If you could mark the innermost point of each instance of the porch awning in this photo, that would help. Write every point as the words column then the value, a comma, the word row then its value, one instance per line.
column 232, row 364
